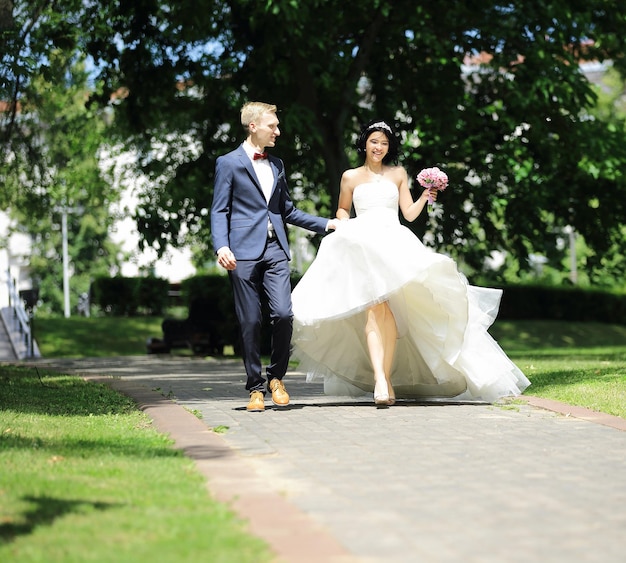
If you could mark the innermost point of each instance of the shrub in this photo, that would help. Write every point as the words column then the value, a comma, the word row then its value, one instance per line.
column 562, row 303
column 121, row 296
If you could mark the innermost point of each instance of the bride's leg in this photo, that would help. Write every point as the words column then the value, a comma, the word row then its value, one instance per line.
column 391, row 336
column 380, row 332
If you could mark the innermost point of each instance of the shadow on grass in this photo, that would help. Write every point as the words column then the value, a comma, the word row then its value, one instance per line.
column 579, row 355
column 529, row 336
column 68, row 447
column 573, row 377
column 44, row 512
column 26, row 390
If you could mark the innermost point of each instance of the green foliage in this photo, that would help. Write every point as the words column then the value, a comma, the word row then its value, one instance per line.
column 513, row 136
column 153, row 295
column 211, row 286
column 517, row 134
column 563, row 303
column 611, row 106
column 54, row 168
column 130, row 296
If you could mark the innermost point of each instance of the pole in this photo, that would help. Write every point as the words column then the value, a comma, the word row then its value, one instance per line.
column 572, row 256
column 66, row 265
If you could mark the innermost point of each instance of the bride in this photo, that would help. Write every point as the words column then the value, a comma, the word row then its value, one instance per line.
column 378, row 312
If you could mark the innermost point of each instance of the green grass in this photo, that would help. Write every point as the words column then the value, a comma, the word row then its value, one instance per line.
column 562, row 337
column 58, row 337
column 582, row 364
column 84, row 477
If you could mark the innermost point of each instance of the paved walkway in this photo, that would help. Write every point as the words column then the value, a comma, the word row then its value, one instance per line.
column 328, row 479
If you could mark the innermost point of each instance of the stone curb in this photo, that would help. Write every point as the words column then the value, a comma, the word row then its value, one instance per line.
column 291, row 534
column 577, row 412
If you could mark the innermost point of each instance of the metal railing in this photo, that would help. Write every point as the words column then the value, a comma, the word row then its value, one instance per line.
column 20, row 319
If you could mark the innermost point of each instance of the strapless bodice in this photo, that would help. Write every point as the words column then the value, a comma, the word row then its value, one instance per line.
column 375, row 195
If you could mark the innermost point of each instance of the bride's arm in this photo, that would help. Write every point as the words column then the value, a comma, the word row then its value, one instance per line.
column 345, row 196
column 412, row 209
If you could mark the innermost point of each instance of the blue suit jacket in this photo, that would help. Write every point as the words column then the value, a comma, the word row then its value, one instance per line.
column 239, row 212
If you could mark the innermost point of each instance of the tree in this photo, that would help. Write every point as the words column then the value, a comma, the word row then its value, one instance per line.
column 511, row 129
column 55, row 169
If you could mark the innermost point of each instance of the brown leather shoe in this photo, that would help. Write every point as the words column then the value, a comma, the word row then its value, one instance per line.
column 257, row 402
column 279, row 394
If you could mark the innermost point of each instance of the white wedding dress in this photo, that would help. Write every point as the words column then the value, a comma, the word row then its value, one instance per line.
column 443, row 347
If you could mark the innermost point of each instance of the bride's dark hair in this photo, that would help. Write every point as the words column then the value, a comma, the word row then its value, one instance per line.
column 383, row 127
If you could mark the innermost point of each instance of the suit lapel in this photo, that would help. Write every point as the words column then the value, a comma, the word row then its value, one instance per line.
column 247, row 164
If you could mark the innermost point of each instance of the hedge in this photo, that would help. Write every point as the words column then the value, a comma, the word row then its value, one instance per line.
column 562, row 303
column 150, row 296
column 121, row 296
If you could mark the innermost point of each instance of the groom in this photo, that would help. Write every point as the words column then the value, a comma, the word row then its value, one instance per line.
column 251, row 206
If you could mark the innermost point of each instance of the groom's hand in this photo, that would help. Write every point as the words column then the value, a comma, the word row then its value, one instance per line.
column 333, row 224
column 226, row 259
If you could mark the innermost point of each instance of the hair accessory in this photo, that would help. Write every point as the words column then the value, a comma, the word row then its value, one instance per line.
column 381, row 125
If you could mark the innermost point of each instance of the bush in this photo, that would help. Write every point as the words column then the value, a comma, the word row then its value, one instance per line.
column 212, row 297
column 562, row 303
column 214, row 292
column 120, row 296
column 153, row 295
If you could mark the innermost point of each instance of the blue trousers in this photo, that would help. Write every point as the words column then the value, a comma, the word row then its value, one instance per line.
column 251, row 280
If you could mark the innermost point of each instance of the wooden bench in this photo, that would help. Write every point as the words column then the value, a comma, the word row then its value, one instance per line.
column 205, row 332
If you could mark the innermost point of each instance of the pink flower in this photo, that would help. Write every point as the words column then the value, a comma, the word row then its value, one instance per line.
column 432, row 178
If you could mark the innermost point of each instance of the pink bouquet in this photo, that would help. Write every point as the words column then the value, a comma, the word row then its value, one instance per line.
column 433, row 178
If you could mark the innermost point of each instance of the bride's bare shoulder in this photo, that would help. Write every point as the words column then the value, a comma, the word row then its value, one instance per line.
column 351, row 173
column 351, row 177
column 398, row 172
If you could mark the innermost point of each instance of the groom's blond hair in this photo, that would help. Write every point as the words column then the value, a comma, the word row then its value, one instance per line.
column 251, row 112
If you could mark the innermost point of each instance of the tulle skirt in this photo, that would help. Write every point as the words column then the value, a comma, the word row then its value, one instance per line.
column 443, row 349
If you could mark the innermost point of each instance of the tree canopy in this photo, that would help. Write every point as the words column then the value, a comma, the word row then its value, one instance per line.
column 491, row 92
column 54, row 169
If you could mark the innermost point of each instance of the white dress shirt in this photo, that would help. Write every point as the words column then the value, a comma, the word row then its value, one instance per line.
column 264, row 173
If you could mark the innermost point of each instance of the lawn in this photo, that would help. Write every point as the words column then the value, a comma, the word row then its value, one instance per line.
column 94, row 337
column 582, row 364
column 85, row 477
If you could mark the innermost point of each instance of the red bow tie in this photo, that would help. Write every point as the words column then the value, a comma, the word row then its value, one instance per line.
column 258, row 155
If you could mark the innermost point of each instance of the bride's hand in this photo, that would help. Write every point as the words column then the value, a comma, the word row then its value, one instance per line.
column 430, row 194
